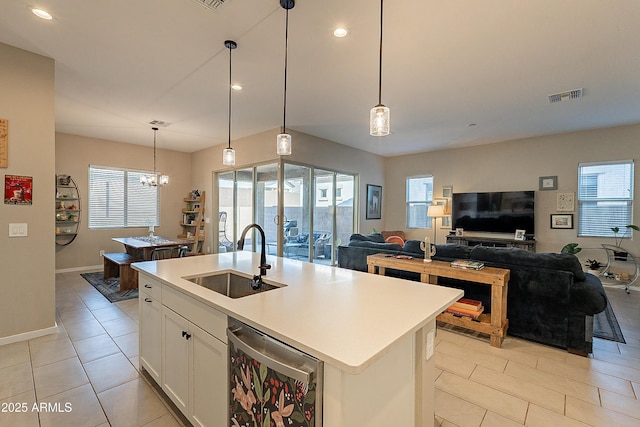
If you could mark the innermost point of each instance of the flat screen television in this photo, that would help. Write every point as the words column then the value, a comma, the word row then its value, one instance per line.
column 496, row 212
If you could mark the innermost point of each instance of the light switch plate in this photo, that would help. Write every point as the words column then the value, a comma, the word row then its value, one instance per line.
column 18, row 229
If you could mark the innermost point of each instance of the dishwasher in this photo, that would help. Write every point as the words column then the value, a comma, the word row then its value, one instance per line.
column 271, row 381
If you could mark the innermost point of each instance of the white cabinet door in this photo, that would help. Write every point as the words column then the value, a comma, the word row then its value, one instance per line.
column 175, row 366
column 209, row 382
column 151, row 335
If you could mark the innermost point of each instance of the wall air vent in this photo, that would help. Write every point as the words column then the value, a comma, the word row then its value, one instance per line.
column 211, row 4
column 159, row 123
column 565, row 96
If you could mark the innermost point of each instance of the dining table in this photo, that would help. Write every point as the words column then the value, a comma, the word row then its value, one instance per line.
column 142, row 247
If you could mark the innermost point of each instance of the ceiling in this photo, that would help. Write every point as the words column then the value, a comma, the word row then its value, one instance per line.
column 455, row 72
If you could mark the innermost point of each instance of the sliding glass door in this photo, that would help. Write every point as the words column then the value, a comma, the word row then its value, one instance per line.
column 297, row 224
column 305, row 212
column 266, row 205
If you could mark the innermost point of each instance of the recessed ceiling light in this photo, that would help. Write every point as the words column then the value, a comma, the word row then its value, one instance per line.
column 42, row 14
column 341, row 32
column 236, row 86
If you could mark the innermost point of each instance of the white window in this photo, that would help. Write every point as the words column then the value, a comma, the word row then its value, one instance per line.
column 419, row 197
column 117, row 199
column 605, row 197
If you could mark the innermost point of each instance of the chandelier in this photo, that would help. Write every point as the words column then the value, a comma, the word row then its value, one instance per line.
column 155, row 179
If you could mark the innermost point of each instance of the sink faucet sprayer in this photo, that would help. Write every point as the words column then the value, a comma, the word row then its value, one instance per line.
column 256, row 283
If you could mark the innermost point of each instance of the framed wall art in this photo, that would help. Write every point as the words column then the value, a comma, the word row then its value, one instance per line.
column 565, row 202
column 562, row 221
column 18, row 190
column 548, row 183
column 4, row 143
column 374, row 201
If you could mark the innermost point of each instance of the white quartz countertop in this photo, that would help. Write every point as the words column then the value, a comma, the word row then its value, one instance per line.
column 345, row 318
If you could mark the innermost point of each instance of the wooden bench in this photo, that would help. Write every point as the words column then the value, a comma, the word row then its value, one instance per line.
column 118, row 264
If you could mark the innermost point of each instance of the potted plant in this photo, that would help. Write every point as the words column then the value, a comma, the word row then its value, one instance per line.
column 570, row 248
column 622, row 255
column 593, row 266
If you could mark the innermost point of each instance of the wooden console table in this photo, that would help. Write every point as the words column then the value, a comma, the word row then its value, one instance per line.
column 494, row 324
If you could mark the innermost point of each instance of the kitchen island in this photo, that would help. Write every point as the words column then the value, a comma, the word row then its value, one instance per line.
column 374, row 334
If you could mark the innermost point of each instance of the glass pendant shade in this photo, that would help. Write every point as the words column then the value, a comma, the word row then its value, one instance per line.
column 283, row 147
column 164, row 179
column 379, row 120
column 229, row 157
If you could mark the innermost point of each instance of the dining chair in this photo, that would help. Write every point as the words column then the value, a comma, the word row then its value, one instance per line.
column 168, row 252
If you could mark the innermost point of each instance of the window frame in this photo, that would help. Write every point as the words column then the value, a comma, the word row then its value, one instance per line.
column 412, row 203
column 93, row 223
column 588, row 196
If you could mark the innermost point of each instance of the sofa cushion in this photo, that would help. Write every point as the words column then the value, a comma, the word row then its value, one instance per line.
column 413, row 246
column 552, row 261
column 372, row 237
column 375, row 245
column 453, row 251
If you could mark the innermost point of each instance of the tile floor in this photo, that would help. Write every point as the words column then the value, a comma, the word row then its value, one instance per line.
column 87, row 373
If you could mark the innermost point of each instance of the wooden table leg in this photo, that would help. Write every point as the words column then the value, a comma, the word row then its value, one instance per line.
column 498, row 314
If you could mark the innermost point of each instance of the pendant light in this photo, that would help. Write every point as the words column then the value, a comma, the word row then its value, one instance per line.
column 283, row 140
column 379, row 116
column 155, row 179
column 229, row 154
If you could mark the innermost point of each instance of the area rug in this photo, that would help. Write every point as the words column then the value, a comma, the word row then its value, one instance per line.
column 110, row 288
column 605, row 325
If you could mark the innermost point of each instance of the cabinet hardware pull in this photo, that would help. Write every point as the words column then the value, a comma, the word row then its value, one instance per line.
column 148, row 300
column 148, row 286
column 188, row 336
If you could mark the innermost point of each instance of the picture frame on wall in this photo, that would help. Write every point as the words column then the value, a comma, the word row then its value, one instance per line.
column 520, row 235
column 374, row 201
column 565, row 202
column 562, row 221
column 447, row 191
column 548, row 183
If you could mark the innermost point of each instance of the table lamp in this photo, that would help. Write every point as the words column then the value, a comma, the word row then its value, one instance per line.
column 435, row 212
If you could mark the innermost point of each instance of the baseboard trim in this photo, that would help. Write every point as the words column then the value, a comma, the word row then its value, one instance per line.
column 29, row 335
column 85, row 268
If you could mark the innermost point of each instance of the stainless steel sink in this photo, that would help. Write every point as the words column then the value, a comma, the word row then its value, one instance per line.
column 230, row 284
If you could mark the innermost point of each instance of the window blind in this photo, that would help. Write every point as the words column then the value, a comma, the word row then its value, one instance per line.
column 419, row 197
column 117, row 199
column 605, row 197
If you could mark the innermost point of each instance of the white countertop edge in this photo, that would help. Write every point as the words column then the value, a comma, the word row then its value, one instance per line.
column 234, row 307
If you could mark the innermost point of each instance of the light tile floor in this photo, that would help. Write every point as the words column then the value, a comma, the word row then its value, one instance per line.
column 89, row 370
column 533, row 385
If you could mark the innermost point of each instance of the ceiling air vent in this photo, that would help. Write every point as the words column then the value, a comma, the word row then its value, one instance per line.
column 211, row 4
column 159, row 123
column 565, row 96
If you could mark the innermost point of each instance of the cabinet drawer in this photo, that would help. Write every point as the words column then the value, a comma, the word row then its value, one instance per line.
column 149, row 286
column 207, row 318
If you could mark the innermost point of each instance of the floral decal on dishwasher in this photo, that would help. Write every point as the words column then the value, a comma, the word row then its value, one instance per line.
column 262, row 397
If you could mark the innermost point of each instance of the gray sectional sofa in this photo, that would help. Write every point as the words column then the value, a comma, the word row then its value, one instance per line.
column 550, row 299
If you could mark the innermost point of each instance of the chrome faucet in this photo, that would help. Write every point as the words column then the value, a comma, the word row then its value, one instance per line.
column 256, row 283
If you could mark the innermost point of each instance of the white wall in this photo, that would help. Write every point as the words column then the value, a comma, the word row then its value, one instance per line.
column 516, row 165
column 75, row 153
column 307, row 149
column 27, row 282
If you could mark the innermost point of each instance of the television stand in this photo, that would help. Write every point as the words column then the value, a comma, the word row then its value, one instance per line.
column 496, row 242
